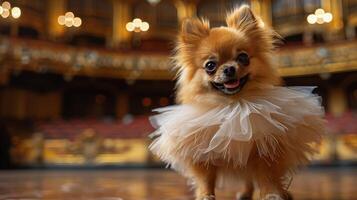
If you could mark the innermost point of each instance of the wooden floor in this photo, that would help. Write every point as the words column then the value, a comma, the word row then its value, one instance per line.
column 334, row 184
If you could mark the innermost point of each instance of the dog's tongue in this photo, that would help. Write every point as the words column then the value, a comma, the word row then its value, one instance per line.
column 231, row 85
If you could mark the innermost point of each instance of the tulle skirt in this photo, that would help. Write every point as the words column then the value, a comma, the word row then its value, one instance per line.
column 271, row 120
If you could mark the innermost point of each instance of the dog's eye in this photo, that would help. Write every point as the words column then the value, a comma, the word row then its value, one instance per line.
column 211, row 67
column 243, row 59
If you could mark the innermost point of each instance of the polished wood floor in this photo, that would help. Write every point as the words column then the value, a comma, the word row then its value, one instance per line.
column 332, row 184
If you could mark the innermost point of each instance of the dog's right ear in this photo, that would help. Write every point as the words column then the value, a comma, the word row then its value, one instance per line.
column 193, row 30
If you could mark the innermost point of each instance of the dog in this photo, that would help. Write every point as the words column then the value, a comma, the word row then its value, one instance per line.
column 233, row 119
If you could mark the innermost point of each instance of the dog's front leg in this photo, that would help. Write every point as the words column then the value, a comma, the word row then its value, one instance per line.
column 205, row 179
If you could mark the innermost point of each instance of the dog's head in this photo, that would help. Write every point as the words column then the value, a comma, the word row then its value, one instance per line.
column 224, row 60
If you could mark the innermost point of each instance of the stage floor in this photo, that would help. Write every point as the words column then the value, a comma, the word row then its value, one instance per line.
column 334, row 184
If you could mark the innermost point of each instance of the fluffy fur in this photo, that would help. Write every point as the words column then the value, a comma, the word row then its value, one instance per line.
column 230, row 127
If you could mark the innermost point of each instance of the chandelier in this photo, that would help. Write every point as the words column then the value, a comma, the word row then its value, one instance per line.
column 319, row 17
column 69, row 20
column 6, row 10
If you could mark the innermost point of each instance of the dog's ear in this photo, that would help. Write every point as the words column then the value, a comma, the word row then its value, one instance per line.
column 194, row 30
column 242, row 18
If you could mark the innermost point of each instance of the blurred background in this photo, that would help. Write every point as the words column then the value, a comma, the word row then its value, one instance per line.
column 79, row 78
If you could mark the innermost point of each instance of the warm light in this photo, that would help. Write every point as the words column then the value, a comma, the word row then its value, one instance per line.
column 319, row 12
column 77, row 22
column 320, row 20
column 137, row 22
column 320, row 17
column 5, row 13
column 137, row 25
column 69, row 15
column 6, row 5
column 61, row 20
column 15, row 12
column 6, row 10
column 69, row 20
column 130, row 26
column 311, row 19
column 144, row 26
column 327, row 17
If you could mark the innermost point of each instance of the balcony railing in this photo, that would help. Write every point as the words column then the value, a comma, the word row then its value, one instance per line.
column 41, row 57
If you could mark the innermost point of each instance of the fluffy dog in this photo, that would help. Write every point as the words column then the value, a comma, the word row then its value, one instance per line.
column 233, row 119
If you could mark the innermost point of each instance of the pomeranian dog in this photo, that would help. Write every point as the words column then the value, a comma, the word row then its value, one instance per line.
column 233, row 120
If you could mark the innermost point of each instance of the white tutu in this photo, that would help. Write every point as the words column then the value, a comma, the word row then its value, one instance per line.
column 274, row 119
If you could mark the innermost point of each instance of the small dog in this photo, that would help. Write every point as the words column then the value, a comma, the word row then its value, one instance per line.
column 234, row 120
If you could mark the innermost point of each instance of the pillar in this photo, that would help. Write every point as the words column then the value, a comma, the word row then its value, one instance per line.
column 263, row 9
column 185, row 9
column 335, row 27
column 55, row 8
column 121, row 16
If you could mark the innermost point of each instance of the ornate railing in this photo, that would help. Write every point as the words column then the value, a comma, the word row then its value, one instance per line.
column 47, row 57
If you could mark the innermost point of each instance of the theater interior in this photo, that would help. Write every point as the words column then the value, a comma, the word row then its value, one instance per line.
column 80, row 78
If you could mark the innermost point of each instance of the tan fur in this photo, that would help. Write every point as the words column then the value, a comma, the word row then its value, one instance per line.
column 196, row 43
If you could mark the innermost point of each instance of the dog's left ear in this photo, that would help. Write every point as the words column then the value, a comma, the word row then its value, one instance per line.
column 242, row 18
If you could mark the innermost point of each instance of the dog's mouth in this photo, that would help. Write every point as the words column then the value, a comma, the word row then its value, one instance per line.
column 231, row 86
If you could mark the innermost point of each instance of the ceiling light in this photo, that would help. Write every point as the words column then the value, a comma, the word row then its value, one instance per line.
column 15, row 12
column 137, row 25
column 69, row 20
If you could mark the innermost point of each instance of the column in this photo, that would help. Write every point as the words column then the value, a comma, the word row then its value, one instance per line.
column 263, row 9
column 121, row 38
column 335, row 7
column 55, row 8
column 185, row 9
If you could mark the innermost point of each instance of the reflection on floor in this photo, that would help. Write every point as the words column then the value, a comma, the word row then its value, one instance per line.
column 334, row 184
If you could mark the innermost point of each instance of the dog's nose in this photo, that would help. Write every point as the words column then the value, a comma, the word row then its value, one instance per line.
column 229, row 71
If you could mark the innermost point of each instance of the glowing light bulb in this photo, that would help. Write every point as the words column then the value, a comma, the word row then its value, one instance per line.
column 130, row 26
column 5, row 13
column 61, row 20
column 137, row 22
column 320, row 20
column 327, row 17
column 6, row 5
column 15, row 12
column 144, row 26
column 311, row 19
column 69, row 15
column 77, row 22
column 319, row 12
